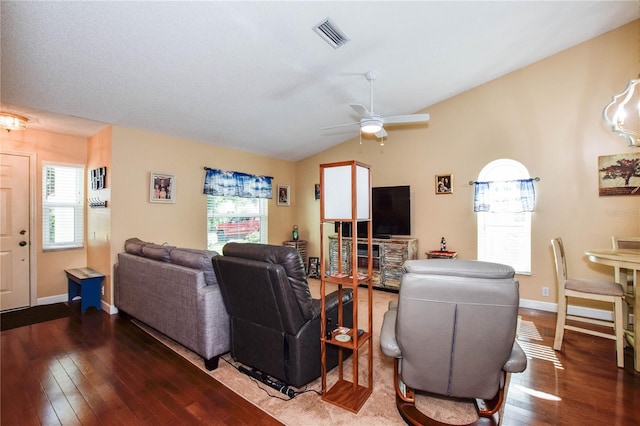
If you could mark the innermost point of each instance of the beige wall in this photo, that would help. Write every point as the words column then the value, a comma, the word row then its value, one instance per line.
column 136, row 153
column 99, row 218
column 548, row 117
column 54, row 148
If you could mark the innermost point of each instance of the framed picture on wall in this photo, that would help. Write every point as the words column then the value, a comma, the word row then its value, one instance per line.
column 314, row 267
column 619, row 174
column 444, row 184
column 162, row 188
column 283, row 195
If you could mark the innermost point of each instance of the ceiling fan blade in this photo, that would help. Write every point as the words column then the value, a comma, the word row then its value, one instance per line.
column 361, row 110
column 340, row 125
column 381, row 134
column 411, row 118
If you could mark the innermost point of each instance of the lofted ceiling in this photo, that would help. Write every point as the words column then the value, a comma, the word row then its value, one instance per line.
column 254, row 76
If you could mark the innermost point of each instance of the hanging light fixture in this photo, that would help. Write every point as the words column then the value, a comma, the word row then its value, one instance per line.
column 622, row 114
column 10, row 121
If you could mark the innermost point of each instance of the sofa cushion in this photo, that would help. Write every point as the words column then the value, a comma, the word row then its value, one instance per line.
column 196, row 259
column 134, row 246
column 157, row 252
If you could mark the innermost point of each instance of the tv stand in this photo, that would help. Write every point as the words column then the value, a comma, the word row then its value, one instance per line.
column 388, row 256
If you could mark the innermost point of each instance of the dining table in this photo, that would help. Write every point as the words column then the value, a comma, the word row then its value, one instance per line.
column 625, row 261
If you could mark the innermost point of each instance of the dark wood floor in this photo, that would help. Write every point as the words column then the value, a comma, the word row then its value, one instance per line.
column 100, row 369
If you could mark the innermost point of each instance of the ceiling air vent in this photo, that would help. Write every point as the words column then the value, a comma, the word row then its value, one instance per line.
column 328, row 31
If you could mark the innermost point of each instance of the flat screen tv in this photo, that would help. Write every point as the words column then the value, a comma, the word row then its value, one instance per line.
column 390, row 212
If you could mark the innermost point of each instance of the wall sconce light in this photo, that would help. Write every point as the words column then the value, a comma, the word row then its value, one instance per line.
column 10, row 121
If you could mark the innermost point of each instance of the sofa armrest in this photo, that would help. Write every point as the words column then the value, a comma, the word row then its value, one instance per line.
column 388, row 342
column 393, row 305
column 213, row 322
column 517, row 361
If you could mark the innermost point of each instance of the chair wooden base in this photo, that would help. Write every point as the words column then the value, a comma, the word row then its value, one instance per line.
column 405, row 402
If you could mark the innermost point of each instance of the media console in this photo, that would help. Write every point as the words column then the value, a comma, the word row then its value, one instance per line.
column 388, row 256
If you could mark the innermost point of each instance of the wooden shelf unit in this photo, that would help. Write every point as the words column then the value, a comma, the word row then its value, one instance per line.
column 388, row 256
column 347, row 391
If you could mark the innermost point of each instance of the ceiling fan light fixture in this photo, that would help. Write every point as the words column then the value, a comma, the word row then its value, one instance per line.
column 10, row 121
column 371, row 125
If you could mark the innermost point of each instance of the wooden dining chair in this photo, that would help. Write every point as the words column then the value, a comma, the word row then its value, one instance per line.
column 605, row 291
column 625, row 243
column 632, row 275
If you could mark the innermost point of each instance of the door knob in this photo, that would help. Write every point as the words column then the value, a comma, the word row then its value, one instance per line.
column 22, row 243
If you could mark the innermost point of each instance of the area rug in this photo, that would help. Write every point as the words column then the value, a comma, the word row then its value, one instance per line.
column 308, row 409
column 33, row 315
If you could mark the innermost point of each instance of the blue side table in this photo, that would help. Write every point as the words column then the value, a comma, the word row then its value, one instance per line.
column 86, row 283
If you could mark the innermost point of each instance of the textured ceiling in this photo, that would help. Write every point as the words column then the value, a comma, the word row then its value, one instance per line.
column 254, row 75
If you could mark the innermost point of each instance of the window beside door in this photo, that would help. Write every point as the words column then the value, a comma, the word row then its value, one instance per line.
column 62, row 206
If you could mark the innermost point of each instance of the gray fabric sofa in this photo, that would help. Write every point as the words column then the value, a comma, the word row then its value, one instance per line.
column 175, row 291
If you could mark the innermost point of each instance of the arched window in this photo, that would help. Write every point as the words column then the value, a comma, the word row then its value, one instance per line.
column 504, row 231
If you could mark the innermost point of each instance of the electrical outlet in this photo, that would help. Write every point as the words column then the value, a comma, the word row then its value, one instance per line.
column 545, row 291
column 103, row 290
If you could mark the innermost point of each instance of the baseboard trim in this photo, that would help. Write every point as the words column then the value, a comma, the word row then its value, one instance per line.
column 60, row 298
column 63, row 298
column 110, row 309
column 580, row 311
column 524, row 303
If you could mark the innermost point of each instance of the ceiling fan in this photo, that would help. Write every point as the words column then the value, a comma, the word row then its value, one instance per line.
column 373, row 123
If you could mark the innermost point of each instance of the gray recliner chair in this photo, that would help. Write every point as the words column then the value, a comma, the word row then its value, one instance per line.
column 452, row 333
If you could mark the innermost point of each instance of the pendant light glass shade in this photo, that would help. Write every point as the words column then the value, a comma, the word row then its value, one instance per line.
column 622, row 114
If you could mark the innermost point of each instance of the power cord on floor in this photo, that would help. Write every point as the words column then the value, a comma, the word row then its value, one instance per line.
column 261, row 378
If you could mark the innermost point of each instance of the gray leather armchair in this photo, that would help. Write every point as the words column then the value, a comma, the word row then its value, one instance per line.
column 275, row 323
column 452, row 333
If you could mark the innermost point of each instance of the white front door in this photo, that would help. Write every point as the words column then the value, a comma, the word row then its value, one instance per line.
column 15, row 234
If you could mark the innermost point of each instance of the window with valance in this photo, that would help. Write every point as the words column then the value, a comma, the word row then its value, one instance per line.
column 511, row 196
column 504, row 200
column 236, row 184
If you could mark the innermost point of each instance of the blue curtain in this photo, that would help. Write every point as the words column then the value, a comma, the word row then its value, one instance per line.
column 512, row 196
column 236, row 184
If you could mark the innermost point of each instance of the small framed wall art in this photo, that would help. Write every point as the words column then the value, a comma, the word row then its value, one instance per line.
column 98, row 178
column 162, row 188
column 444, row 184
column 283, row 195
column 314, row 267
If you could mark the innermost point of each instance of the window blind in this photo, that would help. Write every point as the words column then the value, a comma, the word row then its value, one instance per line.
column 62, row 206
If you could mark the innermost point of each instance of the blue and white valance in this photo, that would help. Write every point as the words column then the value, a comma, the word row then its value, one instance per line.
column 236, row 184
column 511, row 196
